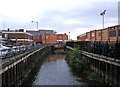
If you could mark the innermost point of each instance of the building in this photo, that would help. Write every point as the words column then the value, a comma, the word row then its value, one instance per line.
column 47, row 38
column 39, row 35
column 81, row 38
column 17, row 38
column 39, row 32
column 109, row 34
column 62, row 37
column 93, row 35
column 114, row 33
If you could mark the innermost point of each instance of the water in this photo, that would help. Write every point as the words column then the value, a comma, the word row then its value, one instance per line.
column 55, row 71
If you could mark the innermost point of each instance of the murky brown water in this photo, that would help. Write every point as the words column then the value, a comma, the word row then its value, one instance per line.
column 55, row 71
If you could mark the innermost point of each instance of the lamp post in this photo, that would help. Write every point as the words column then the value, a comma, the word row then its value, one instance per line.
column 36, row 27
column 102, row 14
column 69, row 36
column 36, row 23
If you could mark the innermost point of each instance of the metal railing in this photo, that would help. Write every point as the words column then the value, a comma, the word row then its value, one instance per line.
column 17, row 50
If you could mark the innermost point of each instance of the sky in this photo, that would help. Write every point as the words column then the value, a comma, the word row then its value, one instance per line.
column 62, row 16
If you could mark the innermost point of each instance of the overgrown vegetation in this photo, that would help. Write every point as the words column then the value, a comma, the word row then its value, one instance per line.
column 80, row 64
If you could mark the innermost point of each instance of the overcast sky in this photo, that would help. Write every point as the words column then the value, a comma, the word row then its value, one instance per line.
column 63, row 16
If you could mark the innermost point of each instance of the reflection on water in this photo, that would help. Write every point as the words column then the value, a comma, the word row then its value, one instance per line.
column 55, row 71
column 55, row 58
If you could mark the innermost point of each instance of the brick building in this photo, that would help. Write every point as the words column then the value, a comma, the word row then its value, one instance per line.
column 48, row 38
column 109, row 34
column 62, row 37
column 39, row 36
column 17, row 38
column 81, row 37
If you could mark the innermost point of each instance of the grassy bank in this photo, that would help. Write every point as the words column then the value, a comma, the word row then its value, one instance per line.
column 80, row 64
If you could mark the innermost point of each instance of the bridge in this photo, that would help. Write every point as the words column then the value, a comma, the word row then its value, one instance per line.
column 14, row 70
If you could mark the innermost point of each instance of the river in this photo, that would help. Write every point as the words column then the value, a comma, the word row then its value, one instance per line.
column 54, row 70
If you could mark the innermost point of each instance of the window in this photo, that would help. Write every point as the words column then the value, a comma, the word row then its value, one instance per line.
column 112, row 33
column 99, row 34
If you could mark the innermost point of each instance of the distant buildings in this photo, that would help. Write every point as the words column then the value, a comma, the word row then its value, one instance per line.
column 109, row 34
column 62, row 37
column 48, row 36
column 39, row 32
column 43, row 36
column 19, row 37
column 81, row 37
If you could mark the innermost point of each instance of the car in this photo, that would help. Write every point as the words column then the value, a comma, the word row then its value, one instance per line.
column 15, row 50
column 3, row 47
column 5, row 51
column 22, row 49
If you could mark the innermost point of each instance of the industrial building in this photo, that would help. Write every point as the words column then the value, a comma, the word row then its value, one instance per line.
column 48, row 36
column 17, row 38
column 110, row 34
column 20, row 37
column 62, row 38
column 43, row 36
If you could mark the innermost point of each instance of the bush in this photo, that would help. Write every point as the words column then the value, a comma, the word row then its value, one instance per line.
column 93, row 76
column 79, row 63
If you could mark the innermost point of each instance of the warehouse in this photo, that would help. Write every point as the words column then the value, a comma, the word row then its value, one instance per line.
column 110, row 34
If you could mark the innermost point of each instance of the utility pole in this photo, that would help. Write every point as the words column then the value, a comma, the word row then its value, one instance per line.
column 37, row 29
column 102, row 14
column 69, row 36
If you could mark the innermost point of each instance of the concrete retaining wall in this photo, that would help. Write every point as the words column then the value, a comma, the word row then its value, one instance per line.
column 15, row 73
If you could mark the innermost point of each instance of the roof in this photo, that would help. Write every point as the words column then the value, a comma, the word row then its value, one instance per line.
column 40, row 32
column 19, row 32
column 81, row 35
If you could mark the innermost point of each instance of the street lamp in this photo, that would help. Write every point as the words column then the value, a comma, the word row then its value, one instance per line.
column 102, row 14
column 69, row 36
column 36, row 23
column 37, row 28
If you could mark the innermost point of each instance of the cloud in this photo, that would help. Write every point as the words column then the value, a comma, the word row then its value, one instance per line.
column 73, row 22
column 63, row 16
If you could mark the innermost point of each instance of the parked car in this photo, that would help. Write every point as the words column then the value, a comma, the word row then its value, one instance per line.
column 5, row 52
column 16, row 50
column 22, row 49
column 2, row 47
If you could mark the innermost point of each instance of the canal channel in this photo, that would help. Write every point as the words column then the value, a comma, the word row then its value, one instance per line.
column 54, row 70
